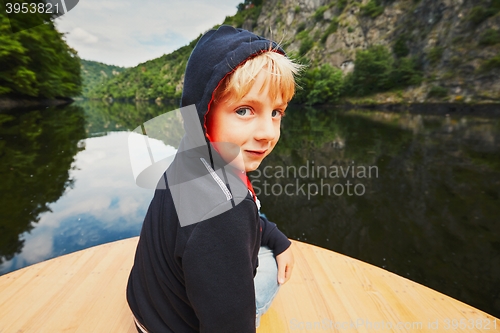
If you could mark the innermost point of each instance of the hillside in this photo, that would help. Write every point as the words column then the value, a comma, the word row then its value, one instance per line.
column 96, row 73
column 158, row 78
column 363, row 51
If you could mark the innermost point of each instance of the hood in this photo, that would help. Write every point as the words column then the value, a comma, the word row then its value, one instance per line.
column 202, row 184
column 217, row 54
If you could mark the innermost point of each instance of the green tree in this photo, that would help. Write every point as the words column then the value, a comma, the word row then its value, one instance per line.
column 372, row 71
column 37, row 150
column 147, row 81
column 373, row 8
column 489, row 37
column 400, row 48
column 320, row 85
column 36, row 62
column 96, row 73
column 407, row 72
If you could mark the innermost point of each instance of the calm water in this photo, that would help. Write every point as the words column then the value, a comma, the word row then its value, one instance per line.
column 415, row 194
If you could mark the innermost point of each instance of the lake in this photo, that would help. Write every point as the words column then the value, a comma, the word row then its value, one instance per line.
column 416, row 193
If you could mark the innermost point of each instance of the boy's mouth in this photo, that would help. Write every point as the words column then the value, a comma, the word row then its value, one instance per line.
column 257, row 152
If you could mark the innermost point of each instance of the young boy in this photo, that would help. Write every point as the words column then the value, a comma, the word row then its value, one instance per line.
column 199, row 276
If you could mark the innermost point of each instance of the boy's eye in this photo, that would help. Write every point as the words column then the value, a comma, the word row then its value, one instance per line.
column 244, row 111
column 278, row 114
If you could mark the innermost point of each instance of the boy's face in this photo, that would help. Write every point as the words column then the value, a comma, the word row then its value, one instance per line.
column 252, row 123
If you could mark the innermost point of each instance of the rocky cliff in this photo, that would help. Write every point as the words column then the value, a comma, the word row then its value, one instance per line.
column 457, row 42
column 440, row 50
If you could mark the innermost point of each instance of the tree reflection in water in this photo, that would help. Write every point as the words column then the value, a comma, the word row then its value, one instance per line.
column 37, row 149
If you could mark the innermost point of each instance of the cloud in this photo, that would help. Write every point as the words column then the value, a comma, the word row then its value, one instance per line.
column 82, row 36
column 127, row 32
column 38, row 248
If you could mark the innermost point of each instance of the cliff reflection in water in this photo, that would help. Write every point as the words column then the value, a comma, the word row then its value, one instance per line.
column 102, row 118
column 37, row 149
column 432, row 213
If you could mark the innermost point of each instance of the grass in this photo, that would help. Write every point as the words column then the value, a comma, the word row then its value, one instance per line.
column 305, row 46
column 332, row 28
column 435, row 54
column 490, row 64
column 318, row 14
column 372, row 9
column 489, row 37
column 437, row 92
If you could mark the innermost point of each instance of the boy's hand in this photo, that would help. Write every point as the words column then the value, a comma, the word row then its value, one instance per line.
column 285, row 263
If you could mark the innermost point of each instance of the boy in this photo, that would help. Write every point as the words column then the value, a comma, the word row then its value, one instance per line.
column 198, row 276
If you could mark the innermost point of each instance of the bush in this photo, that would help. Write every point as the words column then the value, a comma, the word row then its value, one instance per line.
column 320, row 85
column 372, row 8
column 332, row 28
column 372, row 71
column 490, row 64
column 480, row 13
column 375, row 70
column 301, row 27
column 435, row 54
column 302, row 35
column 407, row 72
column 236, row 20
column 318, row 14
column 341, row 5
column 489, row 37
column 305, row 46
column 239, row 18
column 437, row 92
column 400, row 49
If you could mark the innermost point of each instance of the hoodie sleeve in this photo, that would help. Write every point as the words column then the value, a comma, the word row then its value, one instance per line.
column 273, row 237
column 218, row 265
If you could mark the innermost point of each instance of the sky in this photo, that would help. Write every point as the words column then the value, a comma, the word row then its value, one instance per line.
column 127, row 33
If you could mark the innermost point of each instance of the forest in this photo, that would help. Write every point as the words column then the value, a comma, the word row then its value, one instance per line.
column 36, row 62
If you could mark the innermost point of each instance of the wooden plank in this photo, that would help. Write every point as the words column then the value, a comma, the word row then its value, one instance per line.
column 85, row 292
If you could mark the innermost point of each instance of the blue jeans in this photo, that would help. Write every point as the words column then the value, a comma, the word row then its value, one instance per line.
column 265, row 281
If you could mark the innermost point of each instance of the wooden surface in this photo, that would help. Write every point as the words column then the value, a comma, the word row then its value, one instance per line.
column 328, row 292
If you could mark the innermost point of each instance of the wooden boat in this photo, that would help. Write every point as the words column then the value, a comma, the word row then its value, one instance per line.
column 328, row 292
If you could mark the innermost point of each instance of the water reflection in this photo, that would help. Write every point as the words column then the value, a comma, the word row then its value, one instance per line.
column 102, row 205
column 37, row 148
column 432, row 213
column 62, row 192
column 102, row 117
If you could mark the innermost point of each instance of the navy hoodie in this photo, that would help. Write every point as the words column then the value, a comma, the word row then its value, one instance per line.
column 198, row 277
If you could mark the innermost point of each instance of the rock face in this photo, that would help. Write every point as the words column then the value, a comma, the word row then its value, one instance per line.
column 457, row 42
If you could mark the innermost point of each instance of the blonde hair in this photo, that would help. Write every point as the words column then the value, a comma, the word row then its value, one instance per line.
column 281, row 79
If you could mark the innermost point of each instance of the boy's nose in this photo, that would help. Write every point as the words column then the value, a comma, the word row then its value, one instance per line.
column 266, row 130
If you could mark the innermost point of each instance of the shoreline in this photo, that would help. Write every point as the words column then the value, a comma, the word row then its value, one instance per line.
column 424, row 108
column 7, row 103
